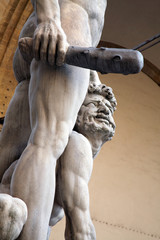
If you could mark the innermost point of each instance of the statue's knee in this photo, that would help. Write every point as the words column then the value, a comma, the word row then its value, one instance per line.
column 13, row 215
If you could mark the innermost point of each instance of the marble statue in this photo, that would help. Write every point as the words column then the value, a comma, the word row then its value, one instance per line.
column 94, row 126
column 56, row 93
column 55, row 109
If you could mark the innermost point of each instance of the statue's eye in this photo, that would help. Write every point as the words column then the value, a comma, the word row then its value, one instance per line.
column 92, row 104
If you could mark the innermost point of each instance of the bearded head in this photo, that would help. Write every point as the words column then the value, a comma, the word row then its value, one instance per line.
column 95, row 118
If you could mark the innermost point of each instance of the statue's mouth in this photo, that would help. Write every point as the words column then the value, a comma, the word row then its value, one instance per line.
column 101, row 117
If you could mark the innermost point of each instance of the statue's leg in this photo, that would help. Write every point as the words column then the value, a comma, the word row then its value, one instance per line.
column 55, row 97
column 75, row 171
column 16, row 128
column 57, row 210
column 49, row 232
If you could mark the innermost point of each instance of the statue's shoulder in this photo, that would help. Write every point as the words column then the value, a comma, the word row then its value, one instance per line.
column 78, row 139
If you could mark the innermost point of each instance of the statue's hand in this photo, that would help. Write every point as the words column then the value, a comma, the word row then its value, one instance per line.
column 50, row 43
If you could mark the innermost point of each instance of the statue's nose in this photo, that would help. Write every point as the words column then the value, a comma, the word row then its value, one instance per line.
column 103, row 109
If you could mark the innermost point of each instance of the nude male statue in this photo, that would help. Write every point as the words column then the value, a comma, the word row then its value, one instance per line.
column 56, row 94
column 94, row 126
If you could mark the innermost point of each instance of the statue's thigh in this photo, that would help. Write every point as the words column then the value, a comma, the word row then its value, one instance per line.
column 56, row 95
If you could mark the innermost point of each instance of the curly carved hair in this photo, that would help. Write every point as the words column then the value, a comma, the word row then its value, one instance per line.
column 105, row 91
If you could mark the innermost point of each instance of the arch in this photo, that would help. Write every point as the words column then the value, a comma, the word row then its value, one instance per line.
column 13, row 18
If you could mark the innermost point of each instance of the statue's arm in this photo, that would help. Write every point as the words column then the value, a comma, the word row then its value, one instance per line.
column 49, row 37
column 46, row 10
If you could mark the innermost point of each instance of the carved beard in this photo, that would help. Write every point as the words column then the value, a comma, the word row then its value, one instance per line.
column 92, row 126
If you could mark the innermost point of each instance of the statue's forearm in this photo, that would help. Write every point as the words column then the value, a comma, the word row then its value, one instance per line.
column 46, row 10
column 49, row 42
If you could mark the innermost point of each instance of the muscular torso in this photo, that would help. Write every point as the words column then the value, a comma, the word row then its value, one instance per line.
column 95, row 10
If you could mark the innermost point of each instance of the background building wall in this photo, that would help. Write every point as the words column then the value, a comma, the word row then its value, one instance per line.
column 129, row 23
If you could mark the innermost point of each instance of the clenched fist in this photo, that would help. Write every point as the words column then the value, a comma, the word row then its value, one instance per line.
column 50, row 43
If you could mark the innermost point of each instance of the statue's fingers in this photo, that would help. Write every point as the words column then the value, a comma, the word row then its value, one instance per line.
column 36, row 47
column 43, row 47
column 52, row 50
column 94, row 78
column 61, row 50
